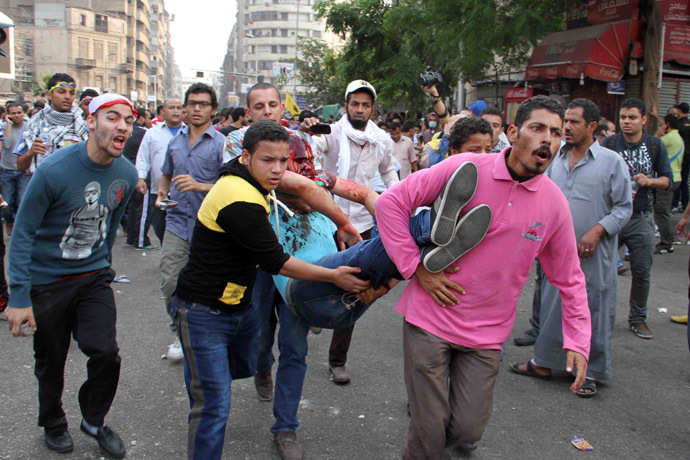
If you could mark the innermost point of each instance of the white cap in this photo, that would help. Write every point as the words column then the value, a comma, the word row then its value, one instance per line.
column 107, row 100
column 360, row 84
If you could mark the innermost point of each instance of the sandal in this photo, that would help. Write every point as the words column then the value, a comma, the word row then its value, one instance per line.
column 529, row 371
column 588, row 389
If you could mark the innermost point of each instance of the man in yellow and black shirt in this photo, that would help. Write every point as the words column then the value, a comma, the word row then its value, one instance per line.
column 217, row 323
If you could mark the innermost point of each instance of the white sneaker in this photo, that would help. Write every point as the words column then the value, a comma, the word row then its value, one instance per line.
column 175, row 351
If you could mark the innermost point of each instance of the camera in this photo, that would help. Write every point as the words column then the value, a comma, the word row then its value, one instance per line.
column 431, row 78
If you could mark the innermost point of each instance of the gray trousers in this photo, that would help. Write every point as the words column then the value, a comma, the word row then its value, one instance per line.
column 638, row 236
column 533, row 329
column 662, row 215
column 450, row 390
column 174, row 256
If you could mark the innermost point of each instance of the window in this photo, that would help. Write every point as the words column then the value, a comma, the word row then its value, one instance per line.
column 113, row 84
column 113, row 54
column 316, row 33
column 283, row 32
column 274, row 49
column 83, row 20
column 99, row 82
column 98, row 51
column 283, row 49
column 101, row 23
column 83, row 48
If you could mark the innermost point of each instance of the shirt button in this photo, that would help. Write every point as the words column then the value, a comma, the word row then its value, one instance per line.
column 514, row 186
column 510, row 204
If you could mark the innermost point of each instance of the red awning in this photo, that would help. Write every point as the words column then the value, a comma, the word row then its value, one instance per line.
column 599, row 52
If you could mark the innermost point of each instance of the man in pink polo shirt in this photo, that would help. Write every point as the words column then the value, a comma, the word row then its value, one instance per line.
column 445, row 338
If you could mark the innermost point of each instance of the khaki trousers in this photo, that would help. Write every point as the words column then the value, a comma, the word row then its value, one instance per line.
column 450, row 390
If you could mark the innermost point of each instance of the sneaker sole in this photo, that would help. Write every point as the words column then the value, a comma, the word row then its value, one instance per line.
column 470, row 231
column 457, row 192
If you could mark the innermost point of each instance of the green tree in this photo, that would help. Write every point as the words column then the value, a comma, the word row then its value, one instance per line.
column 391, row 44
column 317, row 68
column 39, row 88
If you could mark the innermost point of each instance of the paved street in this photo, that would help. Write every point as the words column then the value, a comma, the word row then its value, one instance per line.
column 643, row 413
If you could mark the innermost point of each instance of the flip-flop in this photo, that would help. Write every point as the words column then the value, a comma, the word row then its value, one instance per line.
column 529, row 372
column 590, row 385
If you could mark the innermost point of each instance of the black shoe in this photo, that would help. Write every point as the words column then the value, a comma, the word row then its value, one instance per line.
column 457, row 192
column 108, row 441
column 469, row 232
column 525, row 340
column 61, row 443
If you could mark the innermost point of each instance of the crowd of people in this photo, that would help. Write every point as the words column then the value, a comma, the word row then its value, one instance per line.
column 272, row 222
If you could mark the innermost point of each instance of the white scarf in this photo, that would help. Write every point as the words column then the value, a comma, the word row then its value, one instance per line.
column 372, row 134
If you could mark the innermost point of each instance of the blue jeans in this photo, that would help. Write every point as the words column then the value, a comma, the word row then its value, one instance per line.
column 326, row 305
column 14, row 185
column 218, row 348
column 293, row 347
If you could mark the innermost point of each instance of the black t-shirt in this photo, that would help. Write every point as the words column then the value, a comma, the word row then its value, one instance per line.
column 648, row 156
column 225, row 130
column 132, row 145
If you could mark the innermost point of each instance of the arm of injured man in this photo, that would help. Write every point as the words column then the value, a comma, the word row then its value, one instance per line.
column 320, row 200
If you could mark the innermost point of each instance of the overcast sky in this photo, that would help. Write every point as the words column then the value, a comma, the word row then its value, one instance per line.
column 200, row 31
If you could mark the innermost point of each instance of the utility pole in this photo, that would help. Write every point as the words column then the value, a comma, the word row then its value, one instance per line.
column 294, row 71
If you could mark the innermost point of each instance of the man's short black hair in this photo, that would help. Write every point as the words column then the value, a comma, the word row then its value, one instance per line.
column 12, row 105
column 382, row 124
column 89, row 92
column 671, row 120
column 408, row 125
column 491, row 110
column 200, row 88
column 535, row 103
column 237, row 113
column 26, row 106
column 57, row 78
column 261, row 86
column 39, row 105
column 263, row 130
column 160, row 108
column 602, row 125
column 304, row 114
column 464, row 128
column 394, row 125
column 634, row 103
column 590, row 111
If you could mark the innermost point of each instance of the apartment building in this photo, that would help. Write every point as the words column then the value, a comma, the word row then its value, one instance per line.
column 264, row 40
column 120, row 46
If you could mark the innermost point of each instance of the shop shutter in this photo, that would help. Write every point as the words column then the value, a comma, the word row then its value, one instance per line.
column 632, row 86
column 667, row 95
column 684, row 91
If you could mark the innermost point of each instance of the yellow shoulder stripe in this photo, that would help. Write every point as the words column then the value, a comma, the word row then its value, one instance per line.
column 228, row 190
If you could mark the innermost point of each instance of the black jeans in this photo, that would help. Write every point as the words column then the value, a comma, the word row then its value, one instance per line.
column 134, row 211
column 3, row 281
column 82, row 306
column 340, row 342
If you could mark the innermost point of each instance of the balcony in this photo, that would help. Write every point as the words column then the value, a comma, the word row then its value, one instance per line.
column 127, row 68
column 83, row 63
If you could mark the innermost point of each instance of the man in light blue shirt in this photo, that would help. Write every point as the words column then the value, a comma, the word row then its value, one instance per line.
column 150, row 161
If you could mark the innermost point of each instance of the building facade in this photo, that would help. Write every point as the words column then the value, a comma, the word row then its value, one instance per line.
column 262, row 43
column 120, row 46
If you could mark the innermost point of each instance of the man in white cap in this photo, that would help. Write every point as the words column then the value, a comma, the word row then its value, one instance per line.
column 59, row 268
column 355, row 150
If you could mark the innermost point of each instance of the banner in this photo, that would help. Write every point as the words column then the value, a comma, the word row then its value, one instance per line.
column 291, row 105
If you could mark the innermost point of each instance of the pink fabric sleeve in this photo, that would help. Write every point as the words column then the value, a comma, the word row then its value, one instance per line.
column 561, row 264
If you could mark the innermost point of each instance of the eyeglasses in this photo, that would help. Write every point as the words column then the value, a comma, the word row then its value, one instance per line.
column 64, row 84
column 200, row 104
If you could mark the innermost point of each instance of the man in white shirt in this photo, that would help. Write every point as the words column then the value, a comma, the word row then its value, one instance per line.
column 355, row 150
column 150, row 161
column 403, row 150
